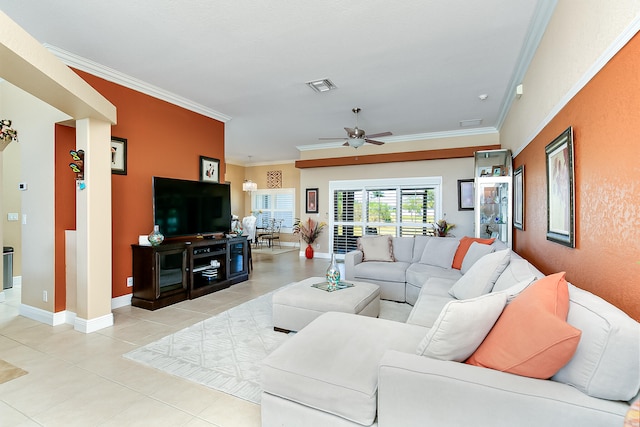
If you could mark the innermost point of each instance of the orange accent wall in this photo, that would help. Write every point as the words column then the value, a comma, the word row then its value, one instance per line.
column 606, row 125
column 162, row 140
column 65, row 206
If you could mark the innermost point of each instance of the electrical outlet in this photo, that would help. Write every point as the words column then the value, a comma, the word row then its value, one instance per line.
column 12, row 216
column 129, row 282
column 44, row 296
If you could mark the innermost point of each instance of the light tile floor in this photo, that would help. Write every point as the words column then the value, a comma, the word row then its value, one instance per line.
column 78, row 379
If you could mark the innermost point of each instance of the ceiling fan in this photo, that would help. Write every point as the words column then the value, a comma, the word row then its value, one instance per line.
column 357, row 137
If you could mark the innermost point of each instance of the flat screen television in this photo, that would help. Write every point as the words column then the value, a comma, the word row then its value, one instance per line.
column 184, row 208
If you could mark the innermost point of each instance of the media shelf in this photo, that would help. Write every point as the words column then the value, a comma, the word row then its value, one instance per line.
column 185, row 269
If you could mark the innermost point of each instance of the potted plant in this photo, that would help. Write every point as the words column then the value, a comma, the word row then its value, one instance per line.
column 309, row 231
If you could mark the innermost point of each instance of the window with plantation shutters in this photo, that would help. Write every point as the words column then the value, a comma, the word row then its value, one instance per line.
column 274, row 203
column 394, row 207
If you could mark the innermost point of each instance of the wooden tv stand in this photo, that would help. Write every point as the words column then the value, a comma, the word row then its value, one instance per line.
column 186, row 268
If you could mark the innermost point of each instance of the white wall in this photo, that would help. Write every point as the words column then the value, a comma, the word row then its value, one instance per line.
column 450, row 170
column 35, row 122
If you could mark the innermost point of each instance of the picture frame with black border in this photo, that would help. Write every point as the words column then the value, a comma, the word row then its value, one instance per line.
column 560, row 189
column 311, row 204
column 209, row 169
column 118, row 156
column 466, row 194
column 518, row 197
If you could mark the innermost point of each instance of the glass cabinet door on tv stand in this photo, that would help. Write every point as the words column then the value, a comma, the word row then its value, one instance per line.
column 159, row 276
column 493, row 195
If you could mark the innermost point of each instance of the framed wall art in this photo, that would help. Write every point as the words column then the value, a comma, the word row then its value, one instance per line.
column 209, row 169
column 560, row 190
column 518, row 197
column 465, row 195
column 312, row 200
column 118, row 156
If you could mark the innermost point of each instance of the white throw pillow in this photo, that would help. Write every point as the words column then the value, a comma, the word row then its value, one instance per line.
column 376, row 248
column 474, row 253
column 439, row 251
column 461, row 327
column 482, row 275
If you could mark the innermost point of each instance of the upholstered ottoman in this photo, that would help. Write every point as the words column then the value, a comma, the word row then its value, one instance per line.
column 295, row 306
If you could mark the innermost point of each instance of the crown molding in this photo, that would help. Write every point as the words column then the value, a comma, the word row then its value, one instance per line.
column 544, row 12
column 606, row 56
column 109, row 74
column 407, row 138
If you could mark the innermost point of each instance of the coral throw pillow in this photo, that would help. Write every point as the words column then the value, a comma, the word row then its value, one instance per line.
column 465, row 243
column 532, row 338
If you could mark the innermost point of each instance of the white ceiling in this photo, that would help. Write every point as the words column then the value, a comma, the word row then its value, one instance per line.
column 415, row 67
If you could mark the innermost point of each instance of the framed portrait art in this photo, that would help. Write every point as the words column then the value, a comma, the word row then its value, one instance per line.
column 518, row 197
column 560, row 190
column 312, row 200
column 209, row 169
column 118, row 156
column 465, row 194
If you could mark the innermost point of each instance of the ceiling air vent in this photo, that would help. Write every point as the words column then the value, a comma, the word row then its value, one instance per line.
column 323, row 85
column 472, row 122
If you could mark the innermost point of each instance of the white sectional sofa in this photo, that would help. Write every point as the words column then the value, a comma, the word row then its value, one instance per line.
column 349, row 370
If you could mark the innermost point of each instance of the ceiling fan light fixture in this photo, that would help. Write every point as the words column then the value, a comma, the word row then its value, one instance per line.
column 356, row 142
column 323, row 85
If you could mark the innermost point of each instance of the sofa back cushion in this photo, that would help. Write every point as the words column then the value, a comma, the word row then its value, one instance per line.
column 376, row 248
column 403, row 249
column 518, row 270
column 607, row 361
column 481, row 276
column 439, row 252
column 419, row 243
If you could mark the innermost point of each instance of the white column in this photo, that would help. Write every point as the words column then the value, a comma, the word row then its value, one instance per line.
column 93, row 224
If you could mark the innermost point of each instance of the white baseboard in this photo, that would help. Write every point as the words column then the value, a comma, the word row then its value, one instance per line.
column 321, row 255
column 66, row 317
column 43, row 316
column 121, row 301
column 92, row 325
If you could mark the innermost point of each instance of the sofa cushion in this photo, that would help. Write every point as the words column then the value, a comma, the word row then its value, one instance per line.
column 516, row 289
column 403, row 249
column 531, row 338
column 332, row 364
column 377, row 270
column 418, row 274
column 465, row 244
column 475, row 252
column 419, row 242
column 439, row 252
column 479, row 279
column 607, row 361
column 518, row 270
column 461, row 327
column 427, row 309
column 376, row 248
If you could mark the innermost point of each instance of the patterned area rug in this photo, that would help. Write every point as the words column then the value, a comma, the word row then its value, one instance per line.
column 225, row 352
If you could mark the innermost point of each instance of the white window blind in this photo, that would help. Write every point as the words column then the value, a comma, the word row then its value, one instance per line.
column 396, row 207
column 276, row 204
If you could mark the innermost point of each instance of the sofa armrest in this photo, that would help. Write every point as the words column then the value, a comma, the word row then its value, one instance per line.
column 351, row 259
column 418, row 391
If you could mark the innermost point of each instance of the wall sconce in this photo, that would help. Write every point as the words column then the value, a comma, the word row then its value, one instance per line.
column 249, row 185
